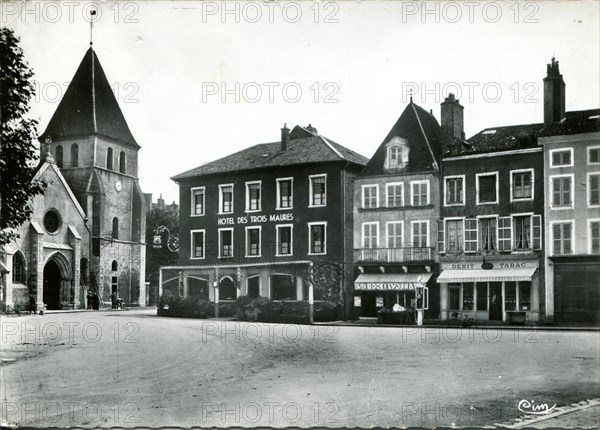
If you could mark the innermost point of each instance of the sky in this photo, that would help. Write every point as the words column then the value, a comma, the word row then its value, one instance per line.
column 197, row 81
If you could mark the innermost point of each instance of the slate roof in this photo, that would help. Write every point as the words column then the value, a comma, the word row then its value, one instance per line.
column 89, row 107
column 494, row 139
column 304, row 147
column 576, row 122
column 423, row 133
column 504, row 138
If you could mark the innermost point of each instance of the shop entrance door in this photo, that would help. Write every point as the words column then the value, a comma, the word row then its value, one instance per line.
column 495, row 301
column 369, row 304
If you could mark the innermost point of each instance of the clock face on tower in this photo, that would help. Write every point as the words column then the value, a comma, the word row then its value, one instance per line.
column 118, row 185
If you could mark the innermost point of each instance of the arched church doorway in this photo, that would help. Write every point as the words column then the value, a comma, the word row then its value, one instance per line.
column 52, row 281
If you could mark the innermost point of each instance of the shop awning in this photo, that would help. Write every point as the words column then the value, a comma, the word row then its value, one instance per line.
column 481, row 275
column 390, row 281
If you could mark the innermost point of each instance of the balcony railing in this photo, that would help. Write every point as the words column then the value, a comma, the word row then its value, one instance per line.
column 394, row 255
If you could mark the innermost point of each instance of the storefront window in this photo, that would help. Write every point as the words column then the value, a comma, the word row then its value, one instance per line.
column 524, row 296
column 482, row 299
column 454, row 293
column 468, row 296
column 510, row 295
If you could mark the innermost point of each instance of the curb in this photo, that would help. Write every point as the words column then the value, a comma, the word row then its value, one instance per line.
column 478, row 327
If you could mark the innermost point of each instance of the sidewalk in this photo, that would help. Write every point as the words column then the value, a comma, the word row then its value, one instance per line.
column 72, row 311
column 575, row 327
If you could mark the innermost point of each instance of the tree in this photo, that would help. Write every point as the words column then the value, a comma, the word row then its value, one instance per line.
column 17, row 152
column 155, row 258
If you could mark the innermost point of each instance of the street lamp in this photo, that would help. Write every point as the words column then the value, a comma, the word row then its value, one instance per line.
column 172, row 242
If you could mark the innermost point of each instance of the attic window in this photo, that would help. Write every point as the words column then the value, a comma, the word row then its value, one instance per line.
column 489, row 132
column 266, row 155
column 397, row 153
column 594, row 117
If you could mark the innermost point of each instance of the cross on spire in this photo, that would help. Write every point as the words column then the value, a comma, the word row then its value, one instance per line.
column 93, row 13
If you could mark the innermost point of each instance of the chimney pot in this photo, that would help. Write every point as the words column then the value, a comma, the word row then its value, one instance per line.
column 554, row 94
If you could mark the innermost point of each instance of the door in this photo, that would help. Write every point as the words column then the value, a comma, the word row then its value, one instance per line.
column 52, row 281
column 254, row 287
column 369, row 304
column 495, row 301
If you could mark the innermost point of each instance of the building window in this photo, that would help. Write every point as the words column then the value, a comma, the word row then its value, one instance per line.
column 455, row 190
column 226, row 199
column 197, row 201
column 561, row 238
column 284, row 240
column 52, row 221
column 58, row 154
column 198, row 243
column 395, row 195
column 253, row 241
column 522, row 232
column 122, row 162
column 227, row 290
column 114, row 266
column 318, row 190
column 561, row 190
column 594, row 236
column 284, row 193
column 397, row 153
column 454, row 235
column 394, row 234
column 83, row 271
column 283, row 287
column 370, row 234
column 524, row 295
column 593, row 189
column 420, row 234
column 482, row 296
column 454, row 296
column 115, row 228
column 370, row 196
column 74, row 155
column 419, row 193
column 253, row 202
column 109, row 158
column 521, row 184
column 487, row 234
column 487, row 188
column 225, row 243
column 593, row 155
column 468, row 296
column 317, row 238
column 510, row 296
column 19, row 275
column 561, row 157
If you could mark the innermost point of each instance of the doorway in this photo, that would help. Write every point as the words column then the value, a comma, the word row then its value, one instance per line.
column 369, row 304
column 52, row 281
column 495, row 301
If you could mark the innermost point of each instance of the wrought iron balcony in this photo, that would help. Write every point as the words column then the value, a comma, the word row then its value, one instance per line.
column 394, row 255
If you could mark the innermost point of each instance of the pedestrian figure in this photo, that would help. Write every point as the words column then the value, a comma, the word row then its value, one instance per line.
column 32, row 305
column 113, row 300
column 95, row 301
column 89, row 299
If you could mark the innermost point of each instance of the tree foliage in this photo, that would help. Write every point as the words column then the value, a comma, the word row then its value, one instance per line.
column 17, row 152
column 155, row 258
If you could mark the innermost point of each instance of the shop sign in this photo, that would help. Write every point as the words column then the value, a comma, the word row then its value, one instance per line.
column 496, row 265
column 379, row 301
column 384, row 286
column 357, row 301
column 255, row 219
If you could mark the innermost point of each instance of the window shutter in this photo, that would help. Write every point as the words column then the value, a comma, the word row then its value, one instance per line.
column 441, row 236
column 537, row 232
column 471, row 235
column 504, row 233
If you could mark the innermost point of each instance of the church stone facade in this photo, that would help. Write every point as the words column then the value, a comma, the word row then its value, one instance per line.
column 91, row 147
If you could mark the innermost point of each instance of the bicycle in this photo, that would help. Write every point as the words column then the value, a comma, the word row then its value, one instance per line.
column 466, row 321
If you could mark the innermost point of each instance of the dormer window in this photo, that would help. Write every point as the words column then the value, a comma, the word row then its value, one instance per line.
column 397, row 153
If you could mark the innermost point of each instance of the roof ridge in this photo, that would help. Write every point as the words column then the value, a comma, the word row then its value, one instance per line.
column 435, row 163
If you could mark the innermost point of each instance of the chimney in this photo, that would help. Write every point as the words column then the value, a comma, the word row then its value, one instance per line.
column 285, row 137
column 554, row 94
column 310, row 128
column 452, row 122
